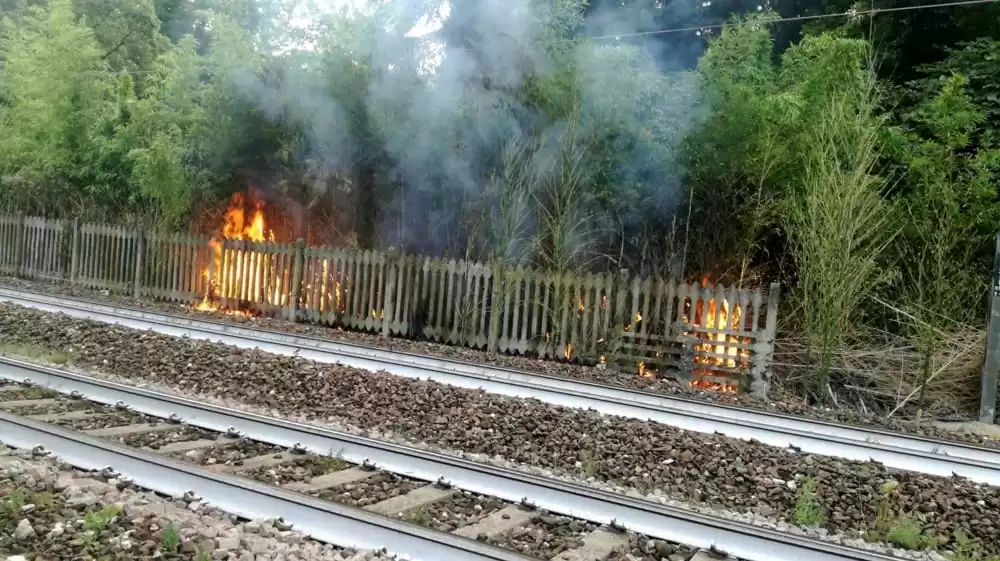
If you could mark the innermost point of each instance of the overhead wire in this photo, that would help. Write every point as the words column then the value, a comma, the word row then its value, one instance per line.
column 848, row 13
column 697, row 28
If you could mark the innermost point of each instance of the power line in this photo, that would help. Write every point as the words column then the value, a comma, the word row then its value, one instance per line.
column 795, row 18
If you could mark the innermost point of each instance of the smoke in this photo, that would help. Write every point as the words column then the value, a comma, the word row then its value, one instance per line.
column 596, row 125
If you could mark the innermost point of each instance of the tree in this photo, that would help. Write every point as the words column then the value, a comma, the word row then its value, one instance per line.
column 950, row 171
column 57, row 86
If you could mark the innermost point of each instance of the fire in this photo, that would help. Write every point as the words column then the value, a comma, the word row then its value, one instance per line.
column 721, row 316
column 714, row 386
column 244, row 220
column 568, row 353
column 238, row 227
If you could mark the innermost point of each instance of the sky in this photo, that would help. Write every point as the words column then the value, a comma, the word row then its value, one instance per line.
column 427, row 24
column 304, row 15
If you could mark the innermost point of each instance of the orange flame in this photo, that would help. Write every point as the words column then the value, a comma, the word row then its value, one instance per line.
column 721, row 316
column 238, row 227
column 239, row 224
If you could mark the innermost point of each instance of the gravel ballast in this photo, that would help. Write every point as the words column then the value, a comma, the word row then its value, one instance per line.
column 786, row 403
column 710, row 470
column 51, row 512
column 449, row 511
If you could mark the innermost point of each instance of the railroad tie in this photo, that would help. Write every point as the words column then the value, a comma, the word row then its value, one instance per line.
column 267, row 460
column 330, row 480
column 188, row 445
column 67, row 416
column 123, row 430
column 414, row 499
column 597, row 545
column 28, row 403
column 500, row 522
column 706, row 556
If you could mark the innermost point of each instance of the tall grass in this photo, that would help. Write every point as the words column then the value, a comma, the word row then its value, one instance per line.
column 838, row 222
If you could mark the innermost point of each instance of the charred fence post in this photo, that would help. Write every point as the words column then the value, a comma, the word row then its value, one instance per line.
column 763, row 348
column 295, row 290
column 988, row 377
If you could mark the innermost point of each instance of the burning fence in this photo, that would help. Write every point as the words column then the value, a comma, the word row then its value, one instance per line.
column 241, row 269
column 249, row 272
column 714, row 337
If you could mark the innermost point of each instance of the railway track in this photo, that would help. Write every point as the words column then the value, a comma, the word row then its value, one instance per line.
column 934, row 457
column 360, row 493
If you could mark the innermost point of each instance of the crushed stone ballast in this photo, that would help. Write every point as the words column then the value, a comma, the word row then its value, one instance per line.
column 933, row 457
column 322, row 520
column 742, row 541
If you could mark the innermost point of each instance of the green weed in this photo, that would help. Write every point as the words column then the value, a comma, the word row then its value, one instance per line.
column 171, row 539
column 966, row 550
column 32, row 352
column 808, row 510
column 906, row 532
column 329, row 464
column 421, row 517
column 10, row 507
column 590, row 463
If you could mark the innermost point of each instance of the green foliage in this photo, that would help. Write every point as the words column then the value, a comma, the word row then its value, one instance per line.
column 10, row 507
column 99, row 520
column 58, row 93
column 809, row 511
column 740, row 153
column 966, row 550
column 101, row 143
column 837, row 221
column 590, row 463
column 794, row 146
column 777, row 158
column 170, row 541
column 907, row 533
column 893, row 526
column 948, row 173
column 978, row 62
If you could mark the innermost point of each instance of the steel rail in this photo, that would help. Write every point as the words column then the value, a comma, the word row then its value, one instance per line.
column 935, row 457
column 322, row 520
column 740, row 540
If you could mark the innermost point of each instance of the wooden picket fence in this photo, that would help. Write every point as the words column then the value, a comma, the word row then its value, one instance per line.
column 650, row 325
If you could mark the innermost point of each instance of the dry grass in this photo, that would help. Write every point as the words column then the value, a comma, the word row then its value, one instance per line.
column 880, row 373
column 36, row 354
